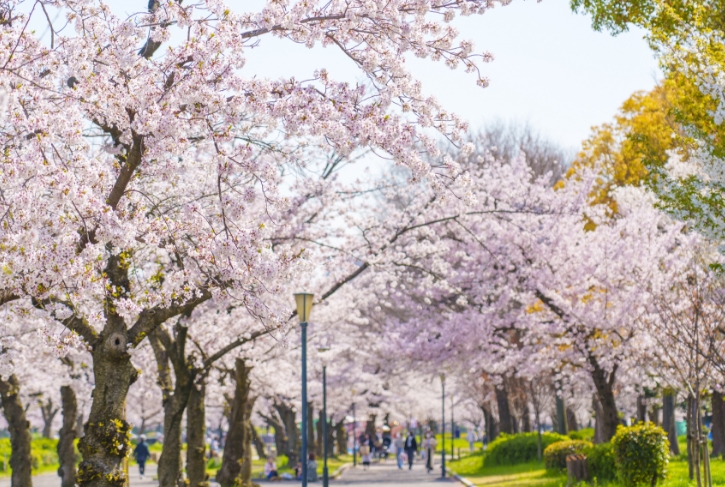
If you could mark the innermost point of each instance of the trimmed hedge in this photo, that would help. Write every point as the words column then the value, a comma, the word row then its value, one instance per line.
column 518, row 448
column 641, row 453
column 555, row 454
column 600, row 462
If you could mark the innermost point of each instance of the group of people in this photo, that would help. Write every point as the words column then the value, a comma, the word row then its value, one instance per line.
column 406, row 448
column 271, row 473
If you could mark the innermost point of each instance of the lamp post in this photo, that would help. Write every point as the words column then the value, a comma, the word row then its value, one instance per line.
column 304, row 306
column 453, row 433
column 443, row 426
column 325, row 472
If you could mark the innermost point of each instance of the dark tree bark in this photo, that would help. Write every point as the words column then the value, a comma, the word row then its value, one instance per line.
column 280, row 439
column 66, row 451
column 598, row 434
column 571, row 423
column 246, row 475
column 320, row 440
column 195, row 435
column 341, row 437
column 505, row 419
column 525, row 418
column 258, row 444
column 641, row 409
column 79, row 425
column 561, row 425
column 234, row 447
column 292, row 433
column 311, row 440
column 718, row 424
column 370, row 425
column 668, row 419
column 653, row 414
column 14, row 412
column 175, row 397
column 604, row 384
column 48, row 411
column 490, row 423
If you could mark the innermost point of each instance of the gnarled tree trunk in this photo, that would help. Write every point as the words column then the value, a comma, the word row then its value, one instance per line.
column 195, row 433
column 66, row 451
column 20, row 458
column 598, row 434
column 604, row 384
column 48, row 411
column 641, row 408
column 234, row 447
column 258, row 444
column 491, row 424
column 289, row 419
column 718, row 424
column 341, row 437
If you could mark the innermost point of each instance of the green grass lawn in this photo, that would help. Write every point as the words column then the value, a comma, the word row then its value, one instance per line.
column 535, row 475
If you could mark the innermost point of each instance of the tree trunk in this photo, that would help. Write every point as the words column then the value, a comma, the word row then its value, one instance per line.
column 718, row 424
column 66, row 451
column 258, row 444
column 598, row 434
column 289, row 419
column 320, row 439
column 641, row 409
column 604, row 384
column 561, row 420
column 48, row 412
column 690, row 437
column 490, row 423
column 246, row 474
column 370, row 426
column 571, row 423
column 525, row 418
column 195, row 436
column 654, row 414
column 105, row 442
column 505, row 419
column 669, row 397
column 20, row 458
column 280, row 440
column 236, row 442
column 311, row 443
column 79, row 425
column 341, row 437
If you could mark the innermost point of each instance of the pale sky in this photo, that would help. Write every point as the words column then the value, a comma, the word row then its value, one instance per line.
column 551, row 69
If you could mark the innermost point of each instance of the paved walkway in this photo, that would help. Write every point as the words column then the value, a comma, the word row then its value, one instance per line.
column 378, row 475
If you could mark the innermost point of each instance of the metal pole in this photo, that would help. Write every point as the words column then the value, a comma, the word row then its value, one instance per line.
column 354, row 437
column 303, row 452
column 443, row 428
column 325, row 473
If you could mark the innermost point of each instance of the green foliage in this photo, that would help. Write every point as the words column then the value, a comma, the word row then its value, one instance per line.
column 585, row 434
column 600, row 462
column 519, row 448
column 43, row 451
column 641, row 454
column 555, row 455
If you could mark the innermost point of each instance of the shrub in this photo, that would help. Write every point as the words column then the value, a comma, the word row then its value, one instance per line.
column 600, row 462
column 519, row 448
column 585, row 434
column 555, row 455
column 641, row 454
column 43, row 452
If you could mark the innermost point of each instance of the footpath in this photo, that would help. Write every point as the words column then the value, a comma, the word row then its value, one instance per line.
column 378, row 475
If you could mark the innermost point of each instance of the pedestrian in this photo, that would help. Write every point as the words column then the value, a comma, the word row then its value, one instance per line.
column 312, row 469
column 365, row 454
column 399, row 444
column 430, row 444
column 141, row 453
column 471, row 437
column 411, row 447
column 270, row 469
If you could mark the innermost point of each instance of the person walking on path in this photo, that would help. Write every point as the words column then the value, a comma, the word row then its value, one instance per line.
column 411, row 446
column 365, row 454
column 429, row 444
column 471, row 437
column 141, row 453
column 399, row 444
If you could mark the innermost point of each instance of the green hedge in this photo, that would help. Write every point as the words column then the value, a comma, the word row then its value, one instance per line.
column 585, row 434
column 641, row 453
column 555, row 454
column 600, row 462
column 518, row 448
column 43, row 450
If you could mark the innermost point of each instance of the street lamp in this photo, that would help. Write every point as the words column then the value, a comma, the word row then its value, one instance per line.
column 325, row 472
column 354, row 434
column 453, row 433
column 443, row 425
column 304, row 306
